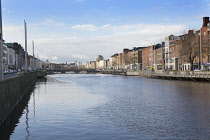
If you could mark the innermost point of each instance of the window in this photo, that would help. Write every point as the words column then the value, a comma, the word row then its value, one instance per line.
column 204, row 33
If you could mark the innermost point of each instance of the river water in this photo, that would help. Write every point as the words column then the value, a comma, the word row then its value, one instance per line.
column 109, row 107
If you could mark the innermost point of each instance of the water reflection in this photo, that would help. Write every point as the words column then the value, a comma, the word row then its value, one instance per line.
column 42, row 80
column 105, row 107
column 160, row 109
column 27, row 123
column 8, row 127
column 34, row 106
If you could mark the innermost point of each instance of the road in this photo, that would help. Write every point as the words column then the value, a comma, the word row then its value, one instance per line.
column 10, row 75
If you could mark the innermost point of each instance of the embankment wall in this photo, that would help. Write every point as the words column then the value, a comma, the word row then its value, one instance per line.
column 135, row 73
column 12, row 91
column 172, row 75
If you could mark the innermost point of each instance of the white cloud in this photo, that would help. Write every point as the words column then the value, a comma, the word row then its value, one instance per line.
column 13, row 32
column 54, row 58
column 51, row 22
column 106, row 26
column 61, row 45
column 90, row 27
column 80, row 56
column 87, row 27
column 43, row 57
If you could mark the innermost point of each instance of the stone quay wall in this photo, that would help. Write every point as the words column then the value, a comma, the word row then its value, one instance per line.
column 12, row 91
column 173, row 75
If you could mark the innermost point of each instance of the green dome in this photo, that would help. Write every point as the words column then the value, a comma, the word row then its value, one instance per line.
column 99, row 57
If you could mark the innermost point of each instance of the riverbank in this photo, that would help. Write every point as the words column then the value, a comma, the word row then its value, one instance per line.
column 13, row 89
column 172, row 75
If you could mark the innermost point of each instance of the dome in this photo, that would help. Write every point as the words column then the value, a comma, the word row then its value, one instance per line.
column 99, row 57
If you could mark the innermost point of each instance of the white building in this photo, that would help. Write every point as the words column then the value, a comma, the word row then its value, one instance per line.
column 110, row 66
column 44, row 64
column 11, row 58
column 169, row 63
column 99, row 57
column 5, row 57
column 37, row 63
column 102, row 64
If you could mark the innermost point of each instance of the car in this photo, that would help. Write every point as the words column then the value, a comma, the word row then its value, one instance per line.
column 29, row 69
column 197, row 70
column 6, row 72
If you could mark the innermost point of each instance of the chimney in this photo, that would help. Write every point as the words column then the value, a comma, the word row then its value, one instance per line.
column 125, row 50
column 205, row 21
column 190, row 31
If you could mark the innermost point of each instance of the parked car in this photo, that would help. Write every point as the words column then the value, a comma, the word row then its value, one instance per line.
column 197, row 70
column 6, row 72
column 29, row 69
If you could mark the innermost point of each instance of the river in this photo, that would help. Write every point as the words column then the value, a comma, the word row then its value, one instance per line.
column 109, row 107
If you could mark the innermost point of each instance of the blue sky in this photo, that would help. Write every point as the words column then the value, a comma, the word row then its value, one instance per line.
column 69, row 30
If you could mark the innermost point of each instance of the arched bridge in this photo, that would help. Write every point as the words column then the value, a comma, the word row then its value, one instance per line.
column 49, row 71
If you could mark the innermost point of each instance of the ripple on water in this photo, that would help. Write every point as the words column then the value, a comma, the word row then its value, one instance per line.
column 87, row 107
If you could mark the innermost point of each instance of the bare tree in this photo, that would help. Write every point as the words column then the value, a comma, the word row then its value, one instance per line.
column 114, row 61
column 128, row 58
column 190, row 47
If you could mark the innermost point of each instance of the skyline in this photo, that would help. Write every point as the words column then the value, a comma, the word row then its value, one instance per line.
column 79, row 30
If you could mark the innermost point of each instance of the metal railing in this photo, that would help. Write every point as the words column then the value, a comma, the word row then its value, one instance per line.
column 190, row 74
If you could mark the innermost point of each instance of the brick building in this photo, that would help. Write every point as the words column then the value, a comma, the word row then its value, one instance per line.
column 91, row 65
column 147, row 58
column 204, row 35
column 159, row 50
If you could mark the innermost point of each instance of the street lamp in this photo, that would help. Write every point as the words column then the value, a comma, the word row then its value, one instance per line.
column 33, row 65
column 1, row 45
column 26, row 58
column 201, row 65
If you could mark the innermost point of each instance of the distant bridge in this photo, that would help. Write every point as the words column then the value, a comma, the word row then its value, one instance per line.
column 50, row 71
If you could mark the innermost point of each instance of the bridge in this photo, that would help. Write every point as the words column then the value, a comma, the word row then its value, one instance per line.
column 51, row 71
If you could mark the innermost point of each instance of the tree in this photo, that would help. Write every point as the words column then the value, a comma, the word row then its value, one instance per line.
column 114, row 61
column 128, row 59
column 190, row 47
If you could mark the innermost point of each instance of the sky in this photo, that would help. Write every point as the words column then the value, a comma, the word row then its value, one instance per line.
column 79, row 30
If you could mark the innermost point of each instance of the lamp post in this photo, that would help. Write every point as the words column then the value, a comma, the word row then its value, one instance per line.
column 26, row 58
column 201, row 65
column 1, row 45
column 33, row 64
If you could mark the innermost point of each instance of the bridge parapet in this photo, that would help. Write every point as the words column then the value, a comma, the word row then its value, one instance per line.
column 71, row 70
